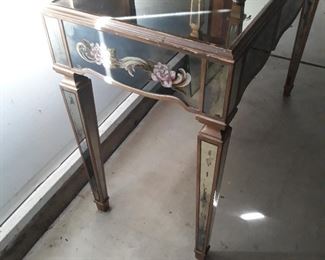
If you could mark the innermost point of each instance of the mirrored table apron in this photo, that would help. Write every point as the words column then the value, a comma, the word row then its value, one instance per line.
column 201, row 54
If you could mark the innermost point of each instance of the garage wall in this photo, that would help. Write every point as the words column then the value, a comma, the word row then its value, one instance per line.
column 35, row 133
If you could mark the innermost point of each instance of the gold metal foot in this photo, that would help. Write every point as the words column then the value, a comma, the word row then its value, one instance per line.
column 287, row 90
column 102, row 206
column 200, row 255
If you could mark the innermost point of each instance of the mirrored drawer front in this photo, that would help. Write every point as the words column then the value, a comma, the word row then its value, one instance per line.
column 144, row 67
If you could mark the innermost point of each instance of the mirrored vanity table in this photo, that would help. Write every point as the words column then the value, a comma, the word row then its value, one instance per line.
column 200, row 54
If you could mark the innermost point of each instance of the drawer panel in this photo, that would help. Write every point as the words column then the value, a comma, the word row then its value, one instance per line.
column 135, row 64
column 144, row 68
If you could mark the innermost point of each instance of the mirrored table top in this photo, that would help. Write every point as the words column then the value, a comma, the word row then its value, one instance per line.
column 218, row 22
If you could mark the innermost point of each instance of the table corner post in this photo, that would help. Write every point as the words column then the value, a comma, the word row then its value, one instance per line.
column 306, row 20
column 79, row 101
column 212, row 145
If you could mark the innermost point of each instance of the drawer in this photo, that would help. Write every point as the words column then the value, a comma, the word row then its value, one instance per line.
column 142, row 68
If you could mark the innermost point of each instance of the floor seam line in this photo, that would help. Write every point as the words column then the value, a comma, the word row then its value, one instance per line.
column 302, row 62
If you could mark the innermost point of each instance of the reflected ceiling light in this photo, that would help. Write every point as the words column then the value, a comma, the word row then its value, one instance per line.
column 149, row 16
column 250, row 216
column 105, row 20
column 215, row 199
column 71, row 3
column 108, row 79
column 102, row 22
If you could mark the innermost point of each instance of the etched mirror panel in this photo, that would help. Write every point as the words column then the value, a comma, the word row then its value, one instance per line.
column 210, row 21
column 54, row 34
column 215, row 89
column 207, row 171
column 73, row 109
column 75, row 117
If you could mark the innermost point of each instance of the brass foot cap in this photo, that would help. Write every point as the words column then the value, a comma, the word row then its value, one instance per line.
column 287, row 90
column 200, row 256
column 103, row 206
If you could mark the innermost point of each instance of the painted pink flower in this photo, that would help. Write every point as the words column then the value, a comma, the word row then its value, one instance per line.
column 162, row 74
column 99, row 54
column 96, row 53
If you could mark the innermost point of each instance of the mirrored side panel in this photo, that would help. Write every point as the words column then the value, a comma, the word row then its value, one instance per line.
column 215, row 89
column 257, row 55
column 56, row 41
column 237, row 72
column 289, row 12
column 72, row 105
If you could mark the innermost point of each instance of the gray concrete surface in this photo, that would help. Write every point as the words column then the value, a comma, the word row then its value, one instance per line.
column 275, row 166
column 315, row 48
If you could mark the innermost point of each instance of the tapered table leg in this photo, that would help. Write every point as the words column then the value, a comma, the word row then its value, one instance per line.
column 306, row 20
column 79, row 100
column 212, row 151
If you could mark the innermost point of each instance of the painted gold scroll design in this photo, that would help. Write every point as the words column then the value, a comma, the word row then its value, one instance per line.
column 101, row 55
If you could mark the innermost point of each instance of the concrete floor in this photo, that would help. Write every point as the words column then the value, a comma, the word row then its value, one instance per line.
column 275, row 166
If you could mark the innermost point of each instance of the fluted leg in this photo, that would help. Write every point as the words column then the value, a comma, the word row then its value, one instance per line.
column 306, row 20
column 212, row 151
column 79, row 100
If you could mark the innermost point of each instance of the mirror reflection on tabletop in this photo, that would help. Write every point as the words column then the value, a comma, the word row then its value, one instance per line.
column 135, row 63
column 206, row 20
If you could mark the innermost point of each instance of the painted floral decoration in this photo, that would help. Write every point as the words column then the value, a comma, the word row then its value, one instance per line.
column 96, row 51
column 162, row 74
column 101, row 55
